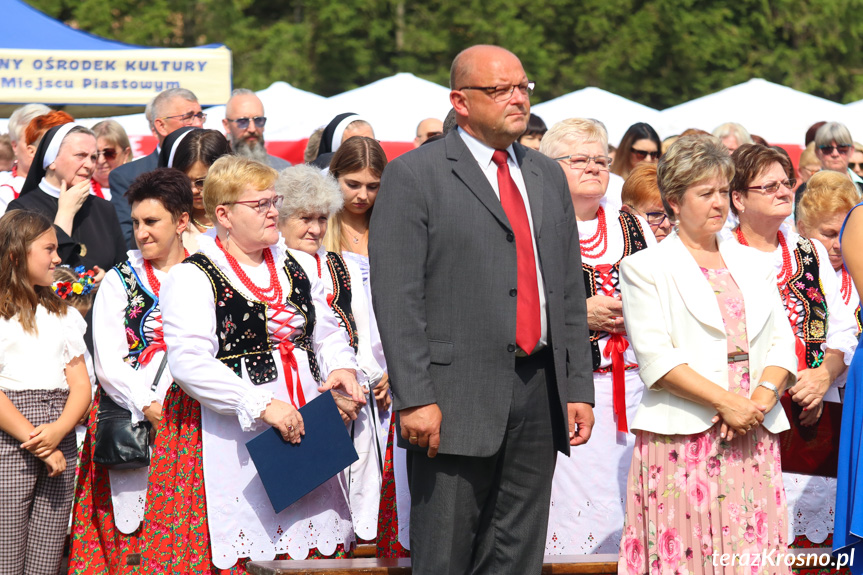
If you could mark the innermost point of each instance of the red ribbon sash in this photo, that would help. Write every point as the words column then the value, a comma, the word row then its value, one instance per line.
column 614, row 348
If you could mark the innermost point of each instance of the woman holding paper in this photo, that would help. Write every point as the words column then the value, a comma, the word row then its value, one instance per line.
column 247, row 350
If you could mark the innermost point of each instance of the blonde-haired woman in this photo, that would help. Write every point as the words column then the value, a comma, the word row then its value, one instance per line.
column 715, row 351
column 808, row 165
column 247, row 349
column 587, row 508
column 733, row 135
column 820, row 214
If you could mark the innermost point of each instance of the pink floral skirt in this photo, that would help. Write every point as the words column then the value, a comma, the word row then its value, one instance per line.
column 700, row 504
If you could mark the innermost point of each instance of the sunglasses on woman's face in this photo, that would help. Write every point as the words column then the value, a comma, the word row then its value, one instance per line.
column 855, row 165
column 642, row 154
column 109, row 153
column 841, row 148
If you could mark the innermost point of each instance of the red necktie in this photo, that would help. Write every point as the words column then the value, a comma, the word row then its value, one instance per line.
column 528, row 328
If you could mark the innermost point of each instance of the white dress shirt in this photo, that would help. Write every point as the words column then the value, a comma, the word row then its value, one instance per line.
column 483, row 153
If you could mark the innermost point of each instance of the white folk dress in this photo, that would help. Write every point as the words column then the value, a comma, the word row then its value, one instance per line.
column 812, row 499
column 241, row 519
column 364, row 475
column 588, row 493
column 128, row 387
column 370, row 439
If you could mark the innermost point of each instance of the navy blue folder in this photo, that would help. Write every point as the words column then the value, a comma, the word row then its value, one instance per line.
column 290, row 471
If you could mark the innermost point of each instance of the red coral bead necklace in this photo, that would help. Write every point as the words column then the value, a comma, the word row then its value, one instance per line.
column 597, row 240
column 273, row 292
column 155, row 285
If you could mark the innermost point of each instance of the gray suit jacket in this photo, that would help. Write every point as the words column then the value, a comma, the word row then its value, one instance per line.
column 277, row 163
column 443, row 264
column 119, row 181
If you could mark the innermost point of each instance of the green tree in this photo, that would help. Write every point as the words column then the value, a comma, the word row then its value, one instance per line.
column 657, row 52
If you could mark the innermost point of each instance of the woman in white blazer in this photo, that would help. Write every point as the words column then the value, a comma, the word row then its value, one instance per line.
column 715, row 352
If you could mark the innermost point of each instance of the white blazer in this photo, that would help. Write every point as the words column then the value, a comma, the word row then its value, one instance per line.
column 672, row 318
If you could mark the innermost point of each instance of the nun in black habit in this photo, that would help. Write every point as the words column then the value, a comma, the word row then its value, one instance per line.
column 349, row 124
column 88, row 232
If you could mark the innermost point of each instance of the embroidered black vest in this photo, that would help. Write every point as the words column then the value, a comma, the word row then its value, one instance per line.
column 633, row 241
column 241, row 323
column 140, row 304
column 341, row 302
column 859, row 318
column 805, row 286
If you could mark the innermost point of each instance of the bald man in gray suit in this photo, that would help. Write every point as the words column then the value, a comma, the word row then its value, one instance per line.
column 477, row 286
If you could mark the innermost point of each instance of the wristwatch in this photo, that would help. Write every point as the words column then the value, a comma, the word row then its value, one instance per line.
column 771, row 387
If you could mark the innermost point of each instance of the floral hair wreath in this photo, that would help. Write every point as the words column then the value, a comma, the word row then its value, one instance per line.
column 82, row 286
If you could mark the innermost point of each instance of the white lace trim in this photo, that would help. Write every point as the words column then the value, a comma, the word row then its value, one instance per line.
column 128, row 497
column 250, row 409
column 323, row 532
column 74, row 327
column 811, row 506
column 141, row 398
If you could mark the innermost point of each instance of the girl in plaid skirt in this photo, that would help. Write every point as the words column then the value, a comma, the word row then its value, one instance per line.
column 44, row 391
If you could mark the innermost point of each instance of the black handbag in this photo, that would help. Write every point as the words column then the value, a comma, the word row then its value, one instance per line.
column 119, row 443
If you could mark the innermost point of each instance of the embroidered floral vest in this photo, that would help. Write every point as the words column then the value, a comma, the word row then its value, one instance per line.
column 341, row 298
column 859, row 317
column 633, row 241
column 241, row 323
column 805, row 286
column 140, row 304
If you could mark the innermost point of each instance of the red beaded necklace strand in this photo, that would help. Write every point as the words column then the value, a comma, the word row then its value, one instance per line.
column 155, row 285
column 600, row 238
column 275, row 287
column 785, row 273
column 845, row 289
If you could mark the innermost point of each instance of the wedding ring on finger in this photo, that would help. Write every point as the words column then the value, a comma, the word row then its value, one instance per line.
column 413, row 439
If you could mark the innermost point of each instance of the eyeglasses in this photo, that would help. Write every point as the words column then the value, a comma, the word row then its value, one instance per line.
column 655, row 218
column 243, row 123
column 504, row 93
column 199, row 183
column 187, row 118
column 773, row 187
column 842, row 148
column 642, row 154
column 109, row 153
column 261, row 206
column 580, row 162
column 855, row 165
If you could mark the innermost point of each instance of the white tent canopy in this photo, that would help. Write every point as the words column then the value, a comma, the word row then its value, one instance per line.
column 616, row 112
column 776, row 113
column 393, row 106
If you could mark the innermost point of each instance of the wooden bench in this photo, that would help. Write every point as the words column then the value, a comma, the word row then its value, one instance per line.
column 554, row 565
